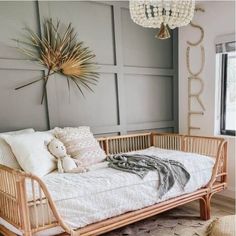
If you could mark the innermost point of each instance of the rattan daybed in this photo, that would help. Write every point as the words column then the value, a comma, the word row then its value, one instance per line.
column 16, row 206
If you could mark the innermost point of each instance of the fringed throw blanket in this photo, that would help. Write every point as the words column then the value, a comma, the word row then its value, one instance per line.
column 169, row 171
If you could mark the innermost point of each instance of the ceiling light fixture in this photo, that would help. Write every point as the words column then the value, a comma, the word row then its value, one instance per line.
column 162, row 14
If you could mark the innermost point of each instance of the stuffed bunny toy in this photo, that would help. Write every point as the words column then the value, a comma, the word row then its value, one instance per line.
column 64, row 162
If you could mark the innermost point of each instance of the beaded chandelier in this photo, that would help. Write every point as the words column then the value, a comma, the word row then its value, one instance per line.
column 162, row 14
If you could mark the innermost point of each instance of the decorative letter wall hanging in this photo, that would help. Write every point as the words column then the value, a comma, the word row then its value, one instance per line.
column 60, row 53
column 195, row 76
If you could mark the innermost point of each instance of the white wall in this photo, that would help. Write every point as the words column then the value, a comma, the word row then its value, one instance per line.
column 218, row 19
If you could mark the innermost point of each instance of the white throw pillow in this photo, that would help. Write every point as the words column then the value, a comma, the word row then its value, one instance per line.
column 81, row 144
column 7, row 157
column 31, row 152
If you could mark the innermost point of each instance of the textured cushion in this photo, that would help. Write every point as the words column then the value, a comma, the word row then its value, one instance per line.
column 31, row 152
column 225, row 226
column 7, row 157
column 81, row 144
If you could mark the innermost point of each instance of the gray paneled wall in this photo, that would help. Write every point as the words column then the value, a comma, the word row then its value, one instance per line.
column 137, row 90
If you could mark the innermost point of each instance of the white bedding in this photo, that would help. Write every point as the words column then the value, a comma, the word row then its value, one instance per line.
column 82, row 199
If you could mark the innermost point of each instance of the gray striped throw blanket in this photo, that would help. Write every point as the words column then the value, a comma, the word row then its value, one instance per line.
column 169, row 171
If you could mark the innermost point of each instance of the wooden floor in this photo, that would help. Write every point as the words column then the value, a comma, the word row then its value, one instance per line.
column 224, row 203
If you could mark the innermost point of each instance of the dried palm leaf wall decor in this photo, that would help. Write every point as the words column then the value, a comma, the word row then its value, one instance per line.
column 60, row 52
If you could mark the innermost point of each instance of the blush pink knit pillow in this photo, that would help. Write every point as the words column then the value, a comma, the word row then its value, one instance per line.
column 81, row 144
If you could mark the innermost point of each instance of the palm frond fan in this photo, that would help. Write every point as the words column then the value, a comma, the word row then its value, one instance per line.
column 60, row 52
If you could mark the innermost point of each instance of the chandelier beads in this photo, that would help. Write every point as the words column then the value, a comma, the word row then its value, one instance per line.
column 162, row 14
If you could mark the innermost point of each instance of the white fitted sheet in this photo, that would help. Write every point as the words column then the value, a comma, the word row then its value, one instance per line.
column 86, row 198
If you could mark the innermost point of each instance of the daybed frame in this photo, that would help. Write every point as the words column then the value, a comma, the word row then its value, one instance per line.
column 15, row 205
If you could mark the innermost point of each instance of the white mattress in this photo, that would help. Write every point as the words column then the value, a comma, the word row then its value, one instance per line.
column 82, row 199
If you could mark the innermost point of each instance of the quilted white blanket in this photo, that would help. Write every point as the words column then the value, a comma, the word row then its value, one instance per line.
column 86, row 198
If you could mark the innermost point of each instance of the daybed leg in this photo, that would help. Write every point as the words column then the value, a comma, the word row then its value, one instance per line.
column 205, row 207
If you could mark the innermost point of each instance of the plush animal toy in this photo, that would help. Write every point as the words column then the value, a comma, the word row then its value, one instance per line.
column 64, row 162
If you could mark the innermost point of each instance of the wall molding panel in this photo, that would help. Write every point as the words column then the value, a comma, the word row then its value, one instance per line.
column 138, row 73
